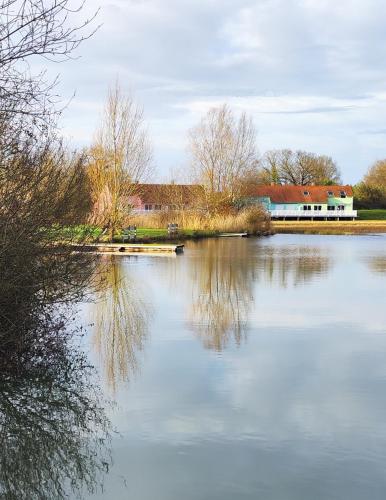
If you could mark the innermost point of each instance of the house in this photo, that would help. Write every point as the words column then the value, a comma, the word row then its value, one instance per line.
column 304, row 202
column 149, row 198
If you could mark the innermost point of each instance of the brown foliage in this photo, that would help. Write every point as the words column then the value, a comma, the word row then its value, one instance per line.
column 253, row 220
column 371, row 192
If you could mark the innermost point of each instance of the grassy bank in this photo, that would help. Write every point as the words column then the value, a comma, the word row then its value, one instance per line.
column 154, row 235
column 80, row 234
column 152, row 228
column 330, row 227
column 375, row 214
column 252, row 220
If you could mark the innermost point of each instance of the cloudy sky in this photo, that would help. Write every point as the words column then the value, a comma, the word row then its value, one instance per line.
column 312, row 73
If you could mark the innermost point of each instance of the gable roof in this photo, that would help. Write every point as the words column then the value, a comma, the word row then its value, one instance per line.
column 166, row 193
column 295, row 194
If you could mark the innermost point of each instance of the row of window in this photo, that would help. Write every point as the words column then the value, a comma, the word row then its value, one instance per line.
column 162, row 207
column 329, row 193
column 339, row 207
column 319, row 207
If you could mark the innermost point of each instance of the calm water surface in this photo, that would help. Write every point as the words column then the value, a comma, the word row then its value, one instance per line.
column 246, row 369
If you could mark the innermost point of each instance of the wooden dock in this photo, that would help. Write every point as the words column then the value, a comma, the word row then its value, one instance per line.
column 129, row 248
column 233, row 235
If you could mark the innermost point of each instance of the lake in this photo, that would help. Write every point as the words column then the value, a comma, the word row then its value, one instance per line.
column 245, row 369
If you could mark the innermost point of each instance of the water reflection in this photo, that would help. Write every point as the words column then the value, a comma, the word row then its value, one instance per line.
column 222, row 294
column 53, row 429
column 303, row 398
column 54, row 432
column 293, row 265
column 377, row 264
column 224, row 275
column 121, row 322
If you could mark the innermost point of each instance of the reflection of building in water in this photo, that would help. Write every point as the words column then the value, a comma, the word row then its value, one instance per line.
column 222, row 278
column 53, row 428
column 120, row 323
column 292, row 265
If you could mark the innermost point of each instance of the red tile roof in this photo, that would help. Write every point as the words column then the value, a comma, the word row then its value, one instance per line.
column 295, row 194
column 166, row 193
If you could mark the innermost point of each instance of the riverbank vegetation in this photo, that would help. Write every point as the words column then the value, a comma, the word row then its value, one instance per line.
column 253, row 220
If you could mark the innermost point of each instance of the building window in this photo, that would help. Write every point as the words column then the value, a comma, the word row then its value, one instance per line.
column 157, row 207
column 340, row 207
column 343, row 194
column 306, row 207
column 317, row 207
column 330, row 193
column 148, row 207
column 330, row 207
column 306, row 193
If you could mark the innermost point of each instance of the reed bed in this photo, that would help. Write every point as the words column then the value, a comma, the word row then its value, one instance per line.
column 253, row 220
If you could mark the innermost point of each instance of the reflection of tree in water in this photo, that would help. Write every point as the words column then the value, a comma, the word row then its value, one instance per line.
column 121, row 323
column 223, row 276
column 292, row 265
column 377, row 264
column 222, row 293
column 53, row 429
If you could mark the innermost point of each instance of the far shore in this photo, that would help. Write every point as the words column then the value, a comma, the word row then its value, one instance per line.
column 330, row 227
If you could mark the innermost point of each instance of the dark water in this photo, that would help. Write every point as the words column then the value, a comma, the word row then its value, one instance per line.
column 246, row 369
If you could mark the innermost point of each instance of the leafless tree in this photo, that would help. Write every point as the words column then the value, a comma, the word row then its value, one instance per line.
column 299, row 168
column 40, row 188
column 120, row 158
column 222, row 294
column 121, row 324
column 223, row 150
column 30, row 28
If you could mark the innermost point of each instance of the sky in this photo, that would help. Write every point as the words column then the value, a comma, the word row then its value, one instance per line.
column 311, row 73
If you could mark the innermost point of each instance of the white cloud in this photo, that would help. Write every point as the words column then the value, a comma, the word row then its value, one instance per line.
column 309, row 71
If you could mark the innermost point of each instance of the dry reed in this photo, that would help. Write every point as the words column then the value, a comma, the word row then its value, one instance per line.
column 253, row 220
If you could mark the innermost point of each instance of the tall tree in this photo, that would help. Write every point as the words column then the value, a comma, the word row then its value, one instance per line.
column 39, row 181
column 285, row 166
column 223, row 150
column 119, row 159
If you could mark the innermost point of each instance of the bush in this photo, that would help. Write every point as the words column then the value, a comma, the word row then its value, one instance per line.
column 369, row 196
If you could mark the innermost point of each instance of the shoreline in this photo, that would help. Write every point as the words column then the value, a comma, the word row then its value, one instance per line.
column 329, row 227
column 189, row 236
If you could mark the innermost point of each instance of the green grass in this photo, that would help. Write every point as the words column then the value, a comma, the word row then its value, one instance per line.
column 144, row 235
column 374, row 214
column 73, row 233
column 153, row 235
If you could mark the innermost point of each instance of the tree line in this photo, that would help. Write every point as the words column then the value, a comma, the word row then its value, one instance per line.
column 223, row 159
